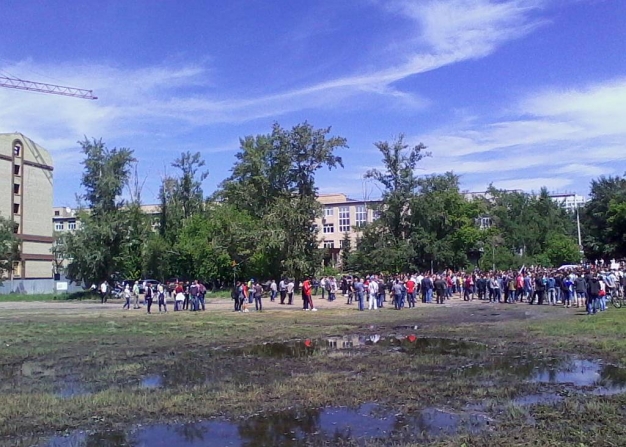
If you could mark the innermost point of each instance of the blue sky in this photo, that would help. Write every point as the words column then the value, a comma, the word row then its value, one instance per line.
column 521, row 93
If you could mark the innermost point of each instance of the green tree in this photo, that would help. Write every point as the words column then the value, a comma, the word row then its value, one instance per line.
column 561, row 249
column 97, row 248
column 602, row 219
column 9, row 247
column 346, row 252
column 273, row 180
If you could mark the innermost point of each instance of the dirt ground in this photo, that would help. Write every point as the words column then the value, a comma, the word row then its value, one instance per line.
column 465, row 311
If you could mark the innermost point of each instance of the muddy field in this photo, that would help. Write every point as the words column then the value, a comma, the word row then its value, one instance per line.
column 474, row 374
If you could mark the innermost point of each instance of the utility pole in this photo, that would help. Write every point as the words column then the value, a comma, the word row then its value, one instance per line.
column 580, row 240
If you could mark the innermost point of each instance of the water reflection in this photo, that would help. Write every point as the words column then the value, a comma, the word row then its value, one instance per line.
column 326, row 426
column 408, row 344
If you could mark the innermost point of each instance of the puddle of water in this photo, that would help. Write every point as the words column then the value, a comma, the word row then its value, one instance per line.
column 408, row 344
column 36, row 369
column 536, row 399
column 327, row 426
column 72, row 389
column 152, row 381
column 576, row 372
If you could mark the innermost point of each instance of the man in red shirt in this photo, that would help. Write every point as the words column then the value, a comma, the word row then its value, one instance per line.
column 306, row 295
column 410, row 292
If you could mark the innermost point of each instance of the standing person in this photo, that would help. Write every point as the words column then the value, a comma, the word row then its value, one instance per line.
column 428, row 284
column 373, row 292
column 380, row 297
column 179, row 297
column 282, row 289
column 127, row 296
column 410, row 291
column 593, row 291
column 104, row 290
column 307, row 295
column 258, row 294
column 440, row 289
column 350, row 290
column 273, row 290
column 201, row 295
column 186, row 292
column 148, row 297
column 332, row 289
column 193, row 296
column 566, row 291
column 495, row 288
column 316, row 286
column 396, row 289
column 290, row 288
column 540, row 290
column 250, row 291
column 580, row 287
column 161, row 297
column 359, row 289
column 136, row 295
column 551, row 285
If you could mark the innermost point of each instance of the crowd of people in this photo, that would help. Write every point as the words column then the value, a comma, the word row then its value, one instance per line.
column 580, row 287
column 586, row 287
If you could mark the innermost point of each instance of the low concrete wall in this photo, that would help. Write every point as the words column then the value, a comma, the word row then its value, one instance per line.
column 27, row 286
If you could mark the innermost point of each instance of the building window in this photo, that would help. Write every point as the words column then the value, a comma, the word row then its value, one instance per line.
column 329, row 228
column 329, row 244
column 328, row 211
column 71, row 225
column 16, row 208
column 16, row 188
column 314, row 228
column 17, row 149
column 17, row 269
column 58, row 226
column 57, row 213
column 484, row 223
column 342, row 243
column 361, row 215
column 344, row 219
column 16, row 170
column 16, row 228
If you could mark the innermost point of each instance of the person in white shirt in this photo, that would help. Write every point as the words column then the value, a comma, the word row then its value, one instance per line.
column 273, row 290
column 127, row 297
column 372, row 288
column 104, row 288
column 290, row 287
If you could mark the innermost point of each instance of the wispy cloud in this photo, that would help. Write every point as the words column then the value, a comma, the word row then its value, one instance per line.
column 140, row 100
column 571, row 134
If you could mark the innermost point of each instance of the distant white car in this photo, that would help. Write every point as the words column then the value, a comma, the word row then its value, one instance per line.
column 568, row 267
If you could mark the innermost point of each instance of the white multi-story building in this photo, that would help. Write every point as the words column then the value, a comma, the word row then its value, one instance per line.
column 569, row 201
column 341, row 215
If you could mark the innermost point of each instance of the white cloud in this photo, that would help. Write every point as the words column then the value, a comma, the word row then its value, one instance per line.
column 527, row 184
column 133, row 101
column 571, row 134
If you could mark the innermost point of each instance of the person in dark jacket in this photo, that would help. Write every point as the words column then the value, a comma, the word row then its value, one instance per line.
column 440, row 289
column 593, row 290
column 540, row 290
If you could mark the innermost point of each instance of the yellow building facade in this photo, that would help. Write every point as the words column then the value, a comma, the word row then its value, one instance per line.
column 26, row 198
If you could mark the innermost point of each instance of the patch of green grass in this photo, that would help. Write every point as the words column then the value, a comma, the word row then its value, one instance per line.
column 205, row 376
column 15, row 297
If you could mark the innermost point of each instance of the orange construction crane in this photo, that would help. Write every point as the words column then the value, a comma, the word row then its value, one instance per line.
column 21, row 84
